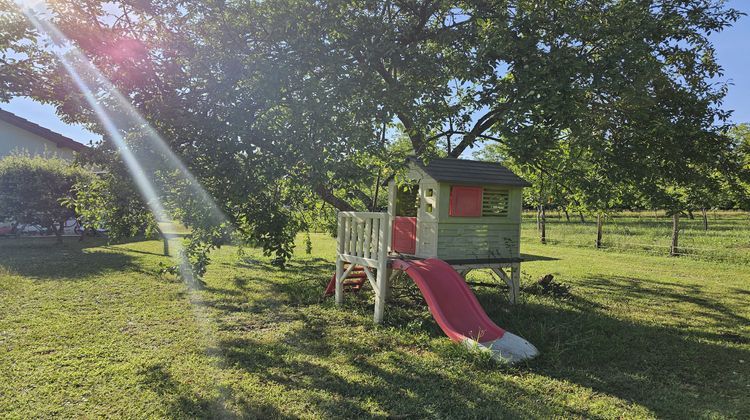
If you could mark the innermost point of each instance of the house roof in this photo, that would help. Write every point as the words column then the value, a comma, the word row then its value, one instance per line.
column 470, row 172
column 58, row 139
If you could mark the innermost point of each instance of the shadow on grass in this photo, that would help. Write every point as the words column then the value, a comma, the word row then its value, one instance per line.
column 354, row 383
column 530, row 257
column 46, row 260
column 667, row 293
column 672, row 371
column 675, row 372
column 180, row 401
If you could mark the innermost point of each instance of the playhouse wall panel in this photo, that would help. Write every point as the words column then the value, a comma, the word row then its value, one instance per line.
column 427, row 240
column 477, row 240
column 513, row 214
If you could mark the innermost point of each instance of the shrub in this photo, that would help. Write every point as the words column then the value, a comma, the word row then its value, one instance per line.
column 35, row 190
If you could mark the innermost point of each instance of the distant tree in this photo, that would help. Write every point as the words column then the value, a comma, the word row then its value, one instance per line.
column 111, row 201
column 33, row 190
column 737, row 186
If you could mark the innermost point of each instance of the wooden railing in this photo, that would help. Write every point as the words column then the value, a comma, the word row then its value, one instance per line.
column 363, row 239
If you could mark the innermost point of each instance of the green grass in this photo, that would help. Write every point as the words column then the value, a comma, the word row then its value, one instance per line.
column 88, row 330
column 727, row 238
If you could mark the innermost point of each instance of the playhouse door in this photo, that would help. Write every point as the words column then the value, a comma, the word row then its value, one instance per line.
column 404, row 235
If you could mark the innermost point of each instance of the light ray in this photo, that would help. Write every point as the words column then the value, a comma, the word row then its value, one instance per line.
column 135, row 167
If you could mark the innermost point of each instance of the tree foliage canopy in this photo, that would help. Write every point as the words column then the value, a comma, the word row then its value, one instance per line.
column 274, row 103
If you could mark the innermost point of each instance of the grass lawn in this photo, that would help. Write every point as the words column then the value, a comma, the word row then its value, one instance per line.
column 647, row 232
column 89, row 330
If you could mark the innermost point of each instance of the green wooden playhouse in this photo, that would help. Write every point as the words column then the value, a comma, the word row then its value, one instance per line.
column 461, row 211
column 466, row 213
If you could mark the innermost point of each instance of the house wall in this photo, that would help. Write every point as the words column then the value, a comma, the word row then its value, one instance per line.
column 14, row 139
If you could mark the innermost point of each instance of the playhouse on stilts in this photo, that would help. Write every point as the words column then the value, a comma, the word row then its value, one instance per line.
column 451, row 216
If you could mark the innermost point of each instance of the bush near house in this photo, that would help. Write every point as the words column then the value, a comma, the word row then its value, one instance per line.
column 34, row 190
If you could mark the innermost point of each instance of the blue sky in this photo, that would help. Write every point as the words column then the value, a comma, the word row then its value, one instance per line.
column 732, row 51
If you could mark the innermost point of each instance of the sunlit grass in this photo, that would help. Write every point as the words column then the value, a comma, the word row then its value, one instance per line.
column 94, row 330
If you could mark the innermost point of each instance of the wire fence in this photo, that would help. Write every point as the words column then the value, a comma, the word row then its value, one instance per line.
column 726, row 239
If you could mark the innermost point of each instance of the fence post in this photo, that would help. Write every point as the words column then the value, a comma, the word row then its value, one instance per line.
column 673, row 251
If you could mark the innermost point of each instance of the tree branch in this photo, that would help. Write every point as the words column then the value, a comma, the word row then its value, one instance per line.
column 416, row 137
column 483, row 124
column 327, row 195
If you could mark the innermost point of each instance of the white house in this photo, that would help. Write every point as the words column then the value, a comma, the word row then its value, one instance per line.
column 20, row 135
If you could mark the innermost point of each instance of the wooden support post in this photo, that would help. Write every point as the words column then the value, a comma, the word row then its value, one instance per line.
column 390, row 275
column 513, row 281
column 339, row 281
column 381, row 281
column 380, row 294
column 673, row 251
column 341, row 236
column 515, row 287
column 599, row 223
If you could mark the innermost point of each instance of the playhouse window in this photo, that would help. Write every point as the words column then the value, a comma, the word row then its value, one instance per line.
column 407, row 200
column 495, row 202
column 465, row 201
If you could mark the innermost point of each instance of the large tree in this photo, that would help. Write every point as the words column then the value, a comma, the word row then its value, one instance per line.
column 270, row 101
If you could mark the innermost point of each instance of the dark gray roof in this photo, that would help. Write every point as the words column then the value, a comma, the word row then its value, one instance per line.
column 462, row 171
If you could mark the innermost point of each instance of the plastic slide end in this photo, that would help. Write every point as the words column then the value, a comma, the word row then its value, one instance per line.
column 509, row 348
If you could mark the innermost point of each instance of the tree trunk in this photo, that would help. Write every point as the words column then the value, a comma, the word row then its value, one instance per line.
column 58, row 231
column 543, row 225
column 705, row 218
column 567, row 216
column 673, row 251
column 599, row 223
column 377, row 192
column 581, row 215
column 165, row 241
column 538, row 217
column 690, row 215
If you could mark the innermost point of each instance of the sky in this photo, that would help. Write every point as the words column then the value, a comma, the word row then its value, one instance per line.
column 732, row 52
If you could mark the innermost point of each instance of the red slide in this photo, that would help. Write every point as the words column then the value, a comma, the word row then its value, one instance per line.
column 457, row 311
